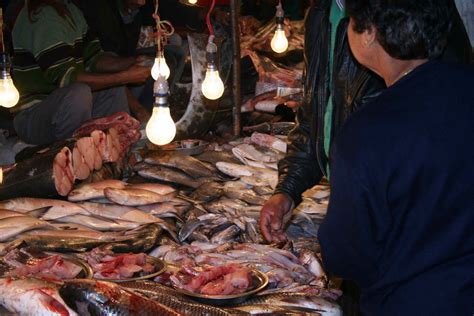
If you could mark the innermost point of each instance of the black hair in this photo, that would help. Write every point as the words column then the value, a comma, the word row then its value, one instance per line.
column 406, row 29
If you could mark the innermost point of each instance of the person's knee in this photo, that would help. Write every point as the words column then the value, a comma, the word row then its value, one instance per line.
column 79, row 98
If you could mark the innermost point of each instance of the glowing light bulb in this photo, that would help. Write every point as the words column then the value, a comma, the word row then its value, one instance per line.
column 9, row 95
column 161, row 129
column 160, row 68
column 192, row 1
column 212, row 86
column 279, row 41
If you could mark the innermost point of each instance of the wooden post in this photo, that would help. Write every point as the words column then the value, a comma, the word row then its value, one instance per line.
column 237, row 98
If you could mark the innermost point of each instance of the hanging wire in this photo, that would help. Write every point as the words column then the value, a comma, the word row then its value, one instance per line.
column 163, row 28
column 1, row 30
column 208, row 18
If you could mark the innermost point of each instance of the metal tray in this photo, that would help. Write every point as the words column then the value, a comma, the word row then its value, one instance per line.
column 260, row 280
column 86, row 272
column 160, row 267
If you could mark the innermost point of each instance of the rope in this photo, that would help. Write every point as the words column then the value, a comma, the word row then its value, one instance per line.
column 163, row 28
column 208, row 18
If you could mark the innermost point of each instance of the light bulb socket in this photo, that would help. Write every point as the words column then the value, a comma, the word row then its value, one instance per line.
column 5, row 64
column 280, row 27
column 211, row 57
column 279, row 20
column 161, row 101
column 211, row 66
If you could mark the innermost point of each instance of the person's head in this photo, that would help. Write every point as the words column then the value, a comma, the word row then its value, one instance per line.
column 133, row 4
column 405, row 29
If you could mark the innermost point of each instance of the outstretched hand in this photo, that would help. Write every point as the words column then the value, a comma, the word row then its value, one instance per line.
column 274, row 217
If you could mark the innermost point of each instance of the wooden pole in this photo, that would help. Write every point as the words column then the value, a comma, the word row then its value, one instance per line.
column 237, row 98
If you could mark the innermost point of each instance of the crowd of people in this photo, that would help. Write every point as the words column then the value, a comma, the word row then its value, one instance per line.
column 386, row 118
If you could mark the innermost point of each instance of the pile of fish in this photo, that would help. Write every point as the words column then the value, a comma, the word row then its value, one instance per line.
column 53, row 170
column 207, row 205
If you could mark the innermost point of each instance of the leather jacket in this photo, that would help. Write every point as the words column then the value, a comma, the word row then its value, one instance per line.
column 351, row 87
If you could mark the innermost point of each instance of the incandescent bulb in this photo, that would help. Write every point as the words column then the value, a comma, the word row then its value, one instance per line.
column 212, row 86
column 192, row 1
column 279, row 41
column 9, row 95
column 160, row 68
column 161, row 129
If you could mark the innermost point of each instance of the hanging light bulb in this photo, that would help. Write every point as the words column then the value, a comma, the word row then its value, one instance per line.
column 160, row 68
column 279, row 41
column 9, row 95
column 212, row 85
column 161, row 129
column 192, row 1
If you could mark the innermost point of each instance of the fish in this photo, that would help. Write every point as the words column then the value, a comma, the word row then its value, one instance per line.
column 269, row 141
column 46, row 174
column 207, row 192
column 312, row 263
column 175, row 300
column 118, row 212
column 106, row 298
column 53, row 208
column 244, row 194
column 12, row 226
column 94, row 190
column 267, row 176
column 282, row 128
column 101, row 224
column 215, row 156
column 168, row 175
column 187, row 164
column 33, row 213
column 153, row 187
column 263, row 190
column 297, row 300
column 228, row 234
column 262, row 309
column 135, row 197
column 33, row 297
column 164, row 210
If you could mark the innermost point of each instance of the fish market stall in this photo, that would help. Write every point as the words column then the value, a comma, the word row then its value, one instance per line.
column 161, row 233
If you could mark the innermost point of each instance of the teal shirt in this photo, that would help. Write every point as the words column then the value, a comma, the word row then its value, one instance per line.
column 336, row 14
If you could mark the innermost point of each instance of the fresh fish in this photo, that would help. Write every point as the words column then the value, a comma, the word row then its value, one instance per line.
column 135, row 197
column 268, row 141
column 105, row 298
column 154, row 187
column 261, row 309
column 28, row 204
column 8, row 213
column 215, row 156
column 311, row 262
column 164, row 210
column 101, row 224
column 117, row 212
column 207, row 192
column 246, row 195
column 263, row 190
column 188, row 164
column 32, row 297
column 12, row 226
column 94, row 190
column 228, row 234
column 190, row 226
column 318, row 192
column 235, row 170
column 296, row 300
column 176, row 300
column 168, row 175
column 282, row 128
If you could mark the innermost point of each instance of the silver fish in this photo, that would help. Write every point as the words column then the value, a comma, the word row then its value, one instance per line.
column 188, row 164
column 12, row 226
column 32, row 297
column 228, row 234
column 135, row 197
column 153, row 187
column 125, row 213
column 168, row 175
column 101, row 224
column 94, row 190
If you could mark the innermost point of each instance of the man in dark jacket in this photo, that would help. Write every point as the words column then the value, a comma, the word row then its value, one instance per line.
column 336, row 85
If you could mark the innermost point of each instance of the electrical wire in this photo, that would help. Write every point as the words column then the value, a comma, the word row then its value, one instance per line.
column 163, row 28
column 208, row 18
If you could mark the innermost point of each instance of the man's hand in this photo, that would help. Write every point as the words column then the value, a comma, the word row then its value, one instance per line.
column 137, row 74
column 274, row 217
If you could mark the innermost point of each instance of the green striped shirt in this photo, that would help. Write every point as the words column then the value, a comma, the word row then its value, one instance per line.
column 50, row 51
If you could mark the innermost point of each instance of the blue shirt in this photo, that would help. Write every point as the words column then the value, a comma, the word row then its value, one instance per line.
column 400, row 221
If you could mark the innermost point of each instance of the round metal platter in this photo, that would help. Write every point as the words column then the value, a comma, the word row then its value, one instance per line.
column 86, row 270
column 260, row 280
column 160, row 267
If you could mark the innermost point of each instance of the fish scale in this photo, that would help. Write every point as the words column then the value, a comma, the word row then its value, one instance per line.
column 176, row 300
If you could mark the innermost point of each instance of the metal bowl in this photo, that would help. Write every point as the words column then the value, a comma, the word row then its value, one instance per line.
column 86, row 270
column 260, row 281
column 160, row 267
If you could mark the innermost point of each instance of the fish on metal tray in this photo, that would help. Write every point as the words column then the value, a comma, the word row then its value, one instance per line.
column 32, row 297
column 105, row 298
